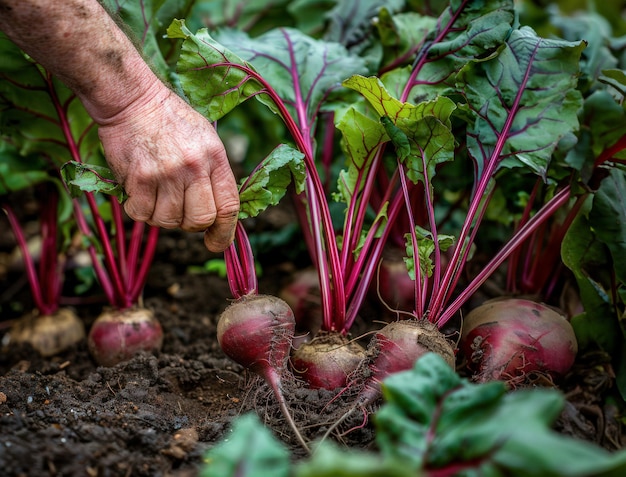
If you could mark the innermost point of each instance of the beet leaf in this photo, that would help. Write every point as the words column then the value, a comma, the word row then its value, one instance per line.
column 445, row 425
column 269, row 181
column 81, row 178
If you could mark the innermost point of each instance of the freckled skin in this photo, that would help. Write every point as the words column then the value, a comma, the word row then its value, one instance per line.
column 167, row 156
column 70, row 20
column 115, row 60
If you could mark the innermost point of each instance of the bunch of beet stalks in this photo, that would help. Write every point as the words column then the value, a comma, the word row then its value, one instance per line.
column 258, row 331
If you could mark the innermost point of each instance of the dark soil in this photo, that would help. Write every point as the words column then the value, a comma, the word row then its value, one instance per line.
column 157, row 415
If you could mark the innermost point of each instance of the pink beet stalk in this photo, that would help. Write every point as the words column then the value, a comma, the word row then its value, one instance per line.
column 256, row 330
column 51, row 329
column 121, row 266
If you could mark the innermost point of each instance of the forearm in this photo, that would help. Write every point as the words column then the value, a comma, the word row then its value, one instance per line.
column 167, row 156
column 77, row 41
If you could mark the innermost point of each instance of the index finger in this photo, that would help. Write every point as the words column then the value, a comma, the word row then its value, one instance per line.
column 199, row 210
column 226, row 198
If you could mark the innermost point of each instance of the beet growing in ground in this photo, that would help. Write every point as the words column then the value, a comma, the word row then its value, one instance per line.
column 149, row 416
column 153, row 415
column 156, row 415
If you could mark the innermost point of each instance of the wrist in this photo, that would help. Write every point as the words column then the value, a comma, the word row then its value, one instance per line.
column 134, row 89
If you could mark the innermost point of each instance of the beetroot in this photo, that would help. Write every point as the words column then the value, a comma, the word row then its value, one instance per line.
column 118, row 335
column 49, row 333
column 393, row 349
column 507, row 339
column 327, row 361
column 256, row 331
column 397, row 346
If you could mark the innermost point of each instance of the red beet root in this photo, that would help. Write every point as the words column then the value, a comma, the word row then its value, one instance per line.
column 327, row 361
column 256, row 331
column 507, row 339
column 117, row 336
column 393, row 349
column 397, row 346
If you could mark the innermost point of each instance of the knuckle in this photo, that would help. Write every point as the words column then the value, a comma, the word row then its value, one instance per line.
column 167, row 224
column 229, row 205
column 229, row 211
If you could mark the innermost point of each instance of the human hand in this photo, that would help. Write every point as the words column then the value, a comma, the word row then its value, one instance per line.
column 173, row 167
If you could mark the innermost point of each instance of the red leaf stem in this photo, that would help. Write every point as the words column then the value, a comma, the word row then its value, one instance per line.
column 146, row 262
column 518, row 238
column 31, row 271
column 240, row 269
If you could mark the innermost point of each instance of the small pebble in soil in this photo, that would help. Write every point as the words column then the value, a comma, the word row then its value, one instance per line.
column 183, row 441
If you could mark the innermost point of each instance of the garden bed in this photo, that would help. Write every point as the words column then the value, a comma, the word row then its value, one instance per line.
column 489, row 184
column 157, row 415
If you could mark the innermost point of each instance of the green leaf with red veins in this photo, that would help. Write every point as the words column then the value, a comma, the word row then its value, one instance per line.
column 305, row 72
column 426, row 126
column 208, row 73
column 80, row 177
column 477, row 27
column 30, row 122
column 399, row 33
column 523, row 101
column 349, row 22
column 361, row 138
column 374, row 91
column 269, row 181
column 445, row 425
column 465, row 31
column 432, row 142
column 381, row 100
